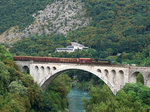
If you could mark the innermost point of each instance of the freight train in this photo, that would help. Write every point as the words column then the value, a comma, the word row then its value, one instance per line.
column 62, row 60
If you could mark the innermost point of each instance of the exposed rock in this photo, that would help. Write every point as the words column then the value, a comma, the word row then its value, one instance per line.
column 58, row 17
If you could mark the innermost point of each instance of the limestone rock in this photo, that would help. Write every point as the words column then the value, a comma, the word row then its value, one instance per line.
column 58, row 17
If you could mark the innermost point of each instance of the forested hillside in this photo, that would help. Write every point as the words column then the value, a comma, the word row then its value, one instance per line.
column 19, row 93
column 117, row 27
column 119, row 30
column 132, row 98
column 19, row 12
column 59, row 16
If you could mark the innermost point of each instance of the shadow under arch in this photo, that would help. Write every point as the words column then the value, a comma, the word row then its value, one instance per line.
column 51, row 78
column 26, row 69
column 134, row 77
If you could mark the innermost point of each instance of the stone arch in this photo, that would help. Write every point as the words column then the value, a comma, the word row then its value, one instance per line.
column 25, row 69
column 133, row 77
column 45, row 83
column 113, row 79
column 121, row 78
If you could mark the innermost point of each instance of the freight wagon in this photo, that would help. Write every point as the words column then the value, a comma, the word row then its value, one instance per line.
column 23, row 58
column 62, row 60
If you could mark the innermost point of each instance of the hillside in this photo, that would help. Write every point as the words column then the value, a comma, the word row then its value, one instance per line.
column 112, row 29
column 56, row 17
column 19, row 12
column 19, row 93
column 118, row 30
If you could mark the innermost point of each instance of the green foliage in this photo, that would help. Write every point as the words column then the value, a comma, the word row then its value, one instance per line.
column 101, row 99
column 19, row 93
column 4, row 78
column 4, row 54
column 55, row 96
column 17, row 87
column 138, row 92
column 38, row 46
column 83, row 80
column 116, row 27
column 140, row 78
column 132, row 98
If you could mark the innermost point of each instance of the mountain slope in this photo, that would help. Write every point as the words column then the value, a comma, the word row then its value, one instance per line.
column 19, row 12
column 58, row 17
column 117, row 27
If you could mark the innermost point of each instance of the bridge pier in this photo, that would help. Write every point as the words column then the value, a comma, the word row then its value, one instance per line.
column 147, row 80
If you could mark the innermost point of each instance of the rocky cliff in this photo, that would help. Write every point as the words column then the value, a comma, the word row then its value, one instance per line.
column 58, row 17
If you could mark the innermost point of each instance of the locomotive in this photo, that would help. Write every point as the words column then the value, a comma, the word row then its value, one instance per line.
column 62, row 60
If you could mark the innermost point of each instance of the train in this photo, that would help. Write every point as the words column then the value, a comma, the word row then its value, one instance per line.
column 62, row 60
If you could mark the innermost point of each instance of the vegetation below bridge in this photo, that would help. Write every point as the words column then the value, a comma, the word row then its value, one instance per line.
column 19, row 93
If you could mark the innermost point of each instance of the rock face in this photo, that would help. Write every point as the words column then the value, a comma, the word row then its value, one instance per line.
column 58, row 17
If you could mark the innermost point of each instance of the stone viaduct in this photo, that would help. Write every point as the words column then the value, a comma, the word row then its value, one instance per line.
column 114, row 76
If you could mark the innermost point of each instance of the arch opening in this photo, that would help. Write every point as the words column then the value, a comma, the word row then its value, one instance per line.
column 137, row 77
column 26, row 69
column 121, row 72
column 45, row 84
column 121, row 78
column 36, row 68
column 54, row 68
column 99, row 70
column 113, row 73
